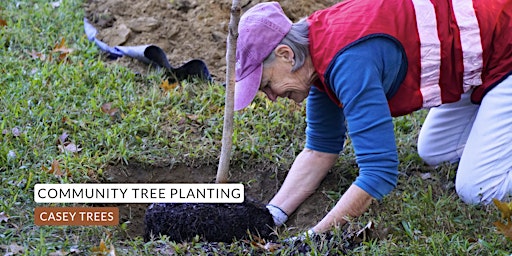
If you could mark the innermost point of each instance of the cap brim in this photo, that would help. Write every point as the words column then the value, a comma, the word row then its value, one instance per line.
column 247, row 88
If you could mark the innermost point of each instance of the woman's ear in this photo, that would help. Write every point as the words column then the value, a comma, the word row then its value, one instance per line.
column 285, row 52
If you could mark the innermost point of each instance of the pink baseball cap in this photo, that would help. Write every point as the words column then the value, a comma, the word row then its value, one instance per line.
column 260, row 30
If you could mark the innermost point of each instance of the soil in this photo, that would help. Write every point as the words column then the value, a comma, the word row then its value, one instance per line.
column 185, row 30
column 213, row 222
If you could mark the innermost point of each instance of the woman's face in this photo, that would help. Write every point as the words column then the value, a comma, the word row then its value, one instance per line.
column 278, row 80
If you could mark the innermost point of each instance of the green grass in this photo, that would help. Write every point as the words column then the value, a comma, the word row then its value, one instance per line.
column 42, row 99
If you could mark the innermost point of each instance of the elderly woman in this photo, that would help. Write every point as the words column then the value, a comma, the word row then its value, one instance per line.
column 361, row 62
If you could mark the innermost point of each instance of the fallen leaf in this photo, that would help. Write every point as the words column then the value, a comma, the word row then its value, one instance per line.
column 102, row 249
column 4, row 217
column 271, row 247
column 363, row 231
column 107, row 109
column 505, row 229
column 69, row 147
column 62, row 138
column 167, row 87
column 37, row 55
column 3, row 23
column 56, row 170
column 505, row 208
column 62, row 49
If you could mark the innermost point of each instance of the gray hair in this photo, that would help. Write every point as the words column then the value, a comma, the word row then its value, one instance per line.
column 297, row 39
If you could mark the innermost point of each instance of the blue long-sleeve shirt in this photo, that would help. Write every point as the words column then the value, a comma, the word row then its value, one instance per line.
column 363, row 77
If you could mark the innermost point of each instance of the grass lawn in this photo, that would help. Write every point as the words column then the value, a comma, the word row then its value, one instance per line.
column 52, row 88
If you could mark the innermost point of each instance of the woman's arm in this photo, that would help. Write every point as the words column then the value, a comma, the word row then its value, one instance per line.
column 308, row 170
column 354, row 202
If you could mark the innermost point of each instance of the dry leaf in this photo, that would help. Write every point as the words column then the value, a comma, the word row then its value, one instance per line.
column 505, row 229
column 62, row 138
column 37, row 55
column 107, row 109
column 62, row 49
column 103, row 250
column 69, row 147
column 66, row 146
column 3, row 23
column 167, row 87
column 370, row 226
column 257, row 245
column 55, row 169
column 4, row 217
column 61, row 44
column 505, row 208
column 271, row 247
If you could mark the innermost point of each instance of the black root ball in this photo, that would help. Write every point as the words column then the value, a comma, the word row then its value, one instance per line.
column 213, row 222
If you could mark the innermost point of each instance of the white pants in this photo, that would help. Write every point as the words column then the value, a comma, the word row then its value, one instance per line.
column 479, row 137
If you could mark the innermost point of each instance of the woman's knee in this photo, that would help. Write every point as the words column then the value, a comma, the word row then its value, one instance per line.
column 469, row 193
column 433, row 158
column 427, row 157
column 474, row 191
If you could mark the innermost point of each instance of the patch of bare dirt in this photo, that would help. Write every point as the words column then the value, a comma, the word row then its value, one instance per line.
column 184, row 29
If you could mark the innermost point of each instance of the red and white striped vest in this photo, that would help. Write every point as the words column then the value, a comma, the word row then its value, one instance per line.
column 451, row 45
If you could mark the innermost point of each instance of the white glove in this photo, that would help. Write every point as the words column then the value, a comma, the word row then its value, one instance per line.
column 279, row 216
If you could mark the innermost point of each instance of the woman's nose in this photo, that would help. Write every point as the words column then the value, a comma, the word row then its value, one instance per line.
column 270, row 94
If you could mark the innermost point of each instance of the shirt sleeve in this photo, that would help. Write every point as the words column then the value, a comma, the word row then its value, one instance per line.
column 363, row 77
column 325, row 130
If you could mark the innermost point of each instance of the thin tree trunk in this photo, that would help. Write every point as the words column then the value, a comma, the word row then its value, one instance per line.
column 227, row 132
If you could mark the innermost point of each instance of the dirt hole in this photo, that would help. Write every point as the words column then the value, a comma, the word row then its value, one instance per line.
column 261, row 183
